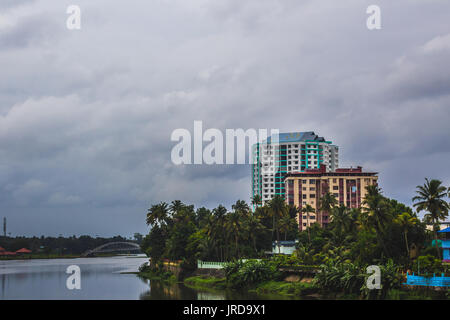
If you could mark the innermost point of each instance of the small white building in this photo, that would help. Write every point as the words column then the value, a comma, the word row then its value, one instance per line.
column 284, row 247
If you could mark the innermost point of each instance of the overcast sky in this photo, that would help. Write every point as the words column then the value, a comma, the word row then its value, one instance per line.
column 86, row 115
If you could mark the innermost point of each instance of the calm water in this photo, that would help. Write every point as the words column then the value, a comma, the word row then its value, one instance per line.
column 101, row 278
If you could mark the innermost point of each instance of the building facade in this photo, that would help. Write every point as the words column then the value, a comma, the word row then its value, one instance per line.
column 348, row 185
column 287, row 153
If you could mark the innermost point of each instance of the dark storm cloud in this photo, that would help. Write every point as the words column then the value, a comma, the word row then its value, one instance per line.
column 86, row 116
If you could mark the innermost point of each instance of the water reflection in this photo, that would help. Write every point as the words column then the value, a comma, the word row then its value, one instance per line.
column 101, row 278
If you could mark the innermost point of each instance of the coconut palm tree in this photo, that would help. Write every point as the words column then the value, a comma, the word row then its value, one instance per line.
column 406, row 221
column 176, row 207
column 278, row 209
column 287, row 224
column 376, row 209
column 307, row 209
column 327, row 202
column 253, row 227
column 256, row 200
column 430, row 198
column 157, row 214
column 340, row 220
column 217, row 229
column 241, row 207
column 234, row 228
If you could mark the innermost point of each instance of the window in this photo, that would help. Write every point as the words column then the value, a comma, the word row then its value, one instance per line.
column 335, row 188
column 312, row 189
column 312, row 181
column 304, row 217
column 312, row 195
column 313, row 217
column 304, row 196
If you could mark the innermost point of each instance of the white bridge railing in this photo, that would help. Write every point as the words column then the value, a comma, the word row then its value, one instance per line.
column 215, row 264
column 210, row 264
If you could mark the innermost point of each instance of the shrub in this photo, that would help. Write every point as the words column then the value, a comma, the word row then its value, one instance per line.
column 250, row 273
column 427, row 265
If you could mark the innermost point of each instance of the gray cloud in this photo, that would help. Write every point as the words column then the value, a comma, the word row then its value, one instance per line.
column 86, row 116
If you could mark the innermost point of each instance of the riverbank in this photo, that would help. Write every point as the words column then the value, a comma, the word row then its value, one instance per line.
column 165, row 276
column 308, row 290
column 52, row 256
column 281, row 288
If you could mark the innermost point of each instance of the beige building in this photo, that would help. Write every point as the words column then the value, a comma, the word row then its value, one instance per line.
column 347, row 184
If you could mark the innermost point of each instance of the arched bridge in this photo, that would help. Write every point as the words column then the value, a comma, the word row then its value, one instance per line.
column 114, row 247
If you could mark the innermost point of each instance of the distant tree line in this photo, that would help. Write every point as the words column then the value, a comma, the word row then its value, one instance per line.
column 59, row 245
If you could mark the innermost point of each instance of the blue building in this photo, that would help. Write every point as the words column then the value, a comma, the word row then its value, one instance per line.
column 445, row 245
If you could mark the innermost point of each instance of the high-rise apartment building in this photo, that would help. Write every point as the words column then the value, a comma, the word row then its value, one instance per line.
column 286, row 153
column 348, row 185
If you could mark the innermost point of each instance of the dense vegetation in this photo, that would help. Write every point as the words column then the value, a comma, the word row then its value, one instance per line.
column 179, row 232
column 59, row 245
column 383, row 232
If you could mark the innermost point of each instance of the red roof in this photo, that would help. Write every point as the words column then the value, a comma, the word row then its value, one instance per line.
column 23, row 250
column 7, row 253
column 2, row 249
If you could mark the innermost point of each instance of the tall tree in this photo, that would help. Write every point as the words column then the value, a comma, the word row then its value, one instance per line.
column 340, row 221
column 307, row 209
column 241, row 207
column 253, row 227
column 287, row 224
column 327, row 202
column 256, row 200
column 277, row 209
column 376, row 207
column 234, row 227
column 406, row 221
column 176, row 206
column 430, row 198
column 158, row 214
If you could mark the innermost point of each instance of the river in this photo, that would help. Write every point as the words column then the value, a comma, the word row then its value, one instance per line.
column 101, row 278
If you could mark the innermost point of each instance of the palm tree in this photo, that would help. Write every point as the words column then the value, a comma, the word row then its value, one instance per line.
column 157, row 214
column 287, row 224
column 176, row 206
column 377, row 212
column 277, row 209
column 256, row 200
column 430, row 198
column 340, row 220
column 406, row 221
column 233, row 226
column 253, row 227
column 241, row 207
column 307, row 209
column 218, row 228
column 327, row 202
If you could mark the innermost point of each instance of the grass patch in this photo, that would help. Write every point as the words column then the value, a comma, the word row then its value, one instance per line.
column 202, row 282
column 286, row 288
column 165, row 276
